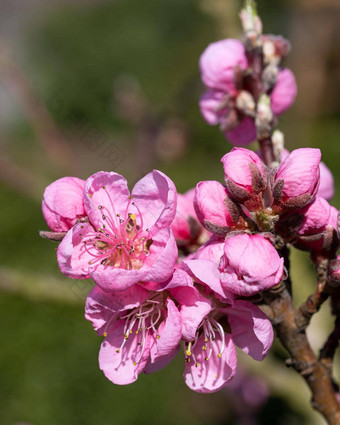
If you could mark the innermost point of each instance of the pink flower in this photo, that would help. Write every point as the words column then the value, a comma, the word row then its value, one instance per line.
column 312, row 228
column 245, row 177
column 62, row 203
column 185, row 226
column 250, row 264
column 218, row 61
column 222, row 65
column 215, row 210
column 142, row 331
column 210, row 353
column 297, row 179
column 127, row 239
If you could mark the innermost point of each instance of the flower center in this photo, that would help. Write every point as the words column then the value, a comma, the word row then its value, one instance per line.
column 119, row 241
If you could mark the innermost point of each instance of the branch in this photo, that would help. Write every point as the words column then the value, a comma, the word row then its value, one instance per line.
column 303, row 358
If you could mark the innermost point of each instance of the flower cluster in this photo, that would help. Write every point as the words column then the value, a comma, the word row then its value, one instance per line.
column 172, row 269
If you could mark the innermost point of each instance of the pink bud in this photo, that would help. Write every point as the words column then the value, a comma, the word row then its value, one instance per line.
column 297, row 179
column 213, row 206
column 244, row 176
column 185, row 226
column 284, row 92
column 62, row 203
column 250, row 264
column 218, row 61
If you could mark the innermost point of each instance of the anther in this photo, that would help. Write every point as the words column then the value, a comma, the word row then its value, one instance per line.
column 219, row 355
column 100, row 207
column 130, row 197
column 157, row 336
column 104, row 187
column 197, row 364
column 105, row 334
column 118, row 350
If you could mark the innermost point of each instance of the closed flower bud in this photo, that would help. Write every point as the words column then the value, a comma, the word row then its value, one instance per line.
column 62, row 203
column 245, row 177
column 250, row 264
column 297, row 180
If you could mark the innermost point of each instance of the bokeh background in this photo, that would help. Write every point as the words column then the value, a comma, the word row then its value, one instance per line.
column 114, row 85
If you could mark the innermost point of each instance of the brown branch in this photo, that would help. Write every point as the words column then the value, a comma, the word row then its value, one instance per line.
column 328, row 350
column 303, row 358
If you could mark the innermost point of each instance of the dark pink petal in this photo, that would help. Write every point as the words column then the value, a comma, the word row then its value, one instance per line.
column 123, row 367
column 316, row 217
column 109, row 192
column 207, row 376
column 156, row 197
column 284, row 92
column 101, row 306
column 250, row 328
column 62, row 203
column 218, row 61
column 243, row 134
column 73, row 259
column 165, row 348
column 209, row 204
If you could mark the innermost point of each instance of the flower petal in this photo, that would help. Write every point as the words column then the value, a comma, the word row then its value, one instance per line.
column 213, row 374
column 156, row 197
column 251, row 329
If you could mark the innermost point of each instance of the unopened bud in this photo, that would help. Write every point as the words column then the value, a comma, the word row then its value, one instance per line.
column 264, row 117
column 250, row 19
column 269, row 76
column 278, row 141
column 246, row 103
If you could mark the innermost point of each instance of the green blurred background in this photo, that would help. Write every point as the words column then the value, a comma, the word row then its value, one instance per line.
column 114, row 85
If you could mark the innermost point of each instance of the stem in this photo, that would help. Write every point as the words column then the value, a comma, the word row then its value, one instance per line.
column 303, row 358
column 267, row 152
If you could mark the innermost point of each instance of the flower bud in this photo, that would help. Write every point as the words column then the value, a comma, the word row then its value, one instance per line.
column 275, row 47
column 214, row 209
column 250, row 264
column 245, row 177
column 218, row 61
column 62, row 203
column 185, row 226
column 297, row 180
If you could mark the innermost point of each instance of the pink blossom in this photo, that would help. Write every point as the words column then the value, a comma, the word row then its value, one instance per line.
column 185, row 226
column 210, row 354
column 218, row 61
column 284, row 92
column 245, row 177
column 250, row 264
column 317, row 226
column 62, row 203
column 213, row 206
column 142, row 331
column 297, row 179
column 127, row 239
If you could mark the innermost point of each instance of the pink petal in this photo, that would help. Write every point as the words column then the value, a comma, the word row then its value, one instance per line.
column 326, row 188
column 193, row 308
column 156, row 197
column 217, row 63
column 300, row 172
column 101, row 306
column 73, row 259
column 209, row 204
column 108, row 194
column 166, row 347
column 210, row 106
column 284, row 92
column 119, row 367
column 212, row 375
column 251, row 329
column 243, row 134
column 62, row 203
